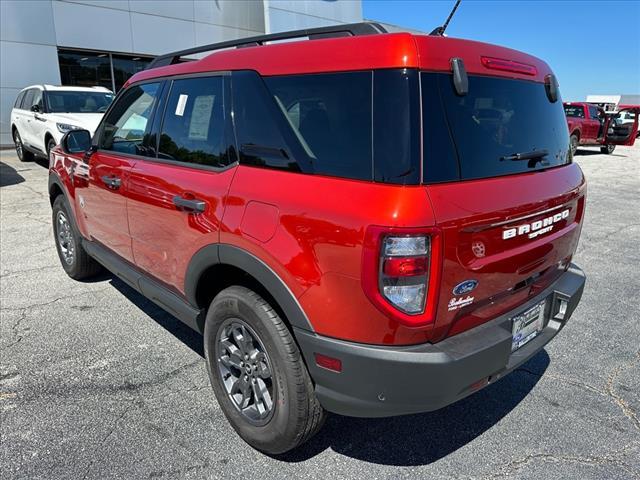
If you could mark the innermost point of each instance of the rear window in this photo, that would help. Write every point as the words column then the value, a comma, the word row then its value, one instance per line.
column 575, row 111
column 490, row 129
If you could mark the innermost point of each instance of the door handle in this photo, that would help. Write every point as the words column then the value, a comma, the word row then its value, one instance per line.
column 111, row 181
column 188, row 205
column 38, row 117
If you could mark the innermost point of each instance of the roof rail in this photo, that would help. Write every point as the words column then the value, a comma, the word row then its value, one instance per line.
column 345, row 30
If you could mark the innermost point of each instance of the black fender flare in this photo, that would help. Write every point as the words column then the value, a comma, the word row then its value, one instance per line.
column 54, row 179
column 225, row 254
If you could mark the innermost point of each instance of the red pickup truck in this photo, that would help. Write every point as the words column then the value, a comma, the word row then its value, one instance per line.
column 589, row 125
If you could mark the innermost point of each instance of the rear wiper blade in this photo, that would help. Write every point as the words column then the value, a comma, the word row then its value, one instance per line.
column 526, row 155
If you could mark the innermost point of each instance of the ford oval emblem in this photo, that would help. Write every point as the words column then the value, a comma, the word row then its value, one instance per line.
column 465, row 287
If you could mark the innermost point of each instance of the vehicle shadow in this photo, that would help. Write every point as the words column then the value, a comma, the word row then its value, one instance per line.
column 422, row 439
column 175, row 327
column 587, row 153
column 9, row 176
column 408, row 440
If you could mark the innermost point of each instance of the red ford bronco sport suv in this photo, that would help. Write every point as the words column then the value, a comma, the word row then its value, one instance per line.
column 363, row 223
column 590, row 125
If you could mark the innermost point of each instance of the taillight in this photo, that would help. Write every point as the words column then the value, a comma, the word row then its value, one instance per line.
column 401, row 270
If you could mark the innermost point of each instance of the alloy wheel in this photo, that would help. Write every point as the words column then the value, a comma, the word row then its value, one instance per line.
column 245, row 370
column 18, row 142
column 65, row 238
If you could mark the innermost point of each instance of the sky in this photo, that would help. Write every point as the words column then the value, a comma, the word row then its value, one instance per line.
column 593, row 47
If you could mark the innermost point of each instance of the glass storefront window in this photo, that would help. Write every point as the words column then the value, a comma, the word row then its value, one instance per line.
column 88, row 69
column 125, row 67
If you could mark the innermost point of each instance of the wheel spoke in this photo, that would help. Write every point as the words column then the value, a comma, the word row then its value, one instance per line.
column 246, row 371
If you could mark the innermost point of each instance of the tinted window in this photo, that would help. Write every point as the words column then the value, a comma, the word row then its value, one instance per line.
column 18, row 101
column 575, row 111
column 85, row 69
column 126, row 67
column 497, row 119
column 593, row 112
column 193, row 129
column 127, row 124
column 330, row 115
column 263, row 136
column 78, row 102
column 27, row 101
column 396, row 126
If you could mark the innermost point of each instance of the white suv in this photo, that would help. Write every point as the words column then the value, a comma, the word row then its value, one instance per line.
column 42, row 114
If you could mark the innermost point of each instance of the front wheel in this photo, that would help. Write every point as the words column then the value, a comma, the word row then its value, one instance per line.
column 50, row 144
column 607, row 149
column 23, row 154
column 73, row 257
column 258, row 374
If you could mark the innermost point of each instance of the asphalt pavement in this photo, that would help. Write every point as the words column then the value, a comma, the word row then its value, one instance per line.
column 97, row 382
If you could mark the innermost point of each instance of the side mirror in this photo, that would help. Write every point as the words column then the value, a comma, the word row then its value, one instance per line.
column 35, row 108
column 76, row 141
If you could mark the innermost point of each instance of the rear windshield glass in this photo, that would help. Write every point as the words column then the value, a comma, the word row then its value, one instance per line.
column 501, row 127
column 574, row 111
column 78, row 102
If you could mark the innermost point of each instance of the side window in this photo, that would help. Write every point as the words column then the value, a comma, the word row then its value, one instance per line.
column 127, row 126
column 18, row 103
column 193, row 129
column 331, row 117
column 593, row 113
column 263, row 136
column 37, row 99
column 27, row 101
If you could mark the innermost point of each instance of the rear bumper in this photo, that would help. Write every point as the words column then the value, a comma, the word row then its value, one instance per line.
column 380, row 381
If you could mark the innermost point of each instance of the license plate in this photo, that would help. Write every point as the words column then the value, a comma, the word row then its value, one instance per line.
column 527, row 325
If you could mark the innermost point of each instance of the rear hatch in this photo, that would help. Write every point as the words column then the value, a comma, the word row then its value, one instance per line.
column 504, row 191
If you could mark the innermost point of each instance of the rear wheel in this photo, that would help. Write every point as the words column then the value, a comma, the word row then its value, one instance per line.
column 257, row 373
column 574, row 144
column 73, row 257
column 23, row 155
column 607, row 149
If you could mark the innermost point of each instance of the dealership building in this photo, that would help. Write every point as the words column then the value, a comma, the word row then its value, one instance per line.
column 104, row 42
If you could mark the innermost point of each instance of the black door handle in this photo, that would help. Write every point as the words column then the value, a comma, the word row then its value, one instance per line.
column 111, row 181
column 194, row 206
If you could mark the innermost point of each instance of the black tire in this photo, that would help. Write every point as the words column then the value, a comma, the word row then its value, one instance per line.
column 50, row 144
column 607, row 149
column 23, row 155
column 295, row 415
column 78, row 265
column 573, row 142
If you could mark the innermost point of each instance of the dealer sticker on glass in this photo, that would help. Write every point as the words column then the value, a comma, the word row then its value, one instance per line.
column 527, row 325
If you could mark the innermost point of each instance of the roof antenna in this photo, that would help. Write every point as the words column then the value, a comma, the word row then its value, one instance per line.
column 439, row 31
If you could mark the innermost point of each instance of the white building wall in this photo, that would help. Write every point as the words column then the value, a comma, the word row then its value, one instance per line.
column 31, row 31
column 283, row 15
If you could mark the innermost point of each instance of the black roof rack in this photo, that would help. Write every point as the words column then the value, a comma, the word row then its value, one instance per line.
column 346, row 30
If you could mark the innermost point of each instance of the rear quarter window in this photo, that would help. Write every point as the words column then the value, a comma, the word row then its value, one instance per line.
column 360, row 125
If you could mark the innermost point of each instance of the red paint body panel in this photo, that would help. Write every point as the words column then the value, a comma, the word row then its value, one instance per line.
column 394, row 50
column 164, row 239
column 310, row 229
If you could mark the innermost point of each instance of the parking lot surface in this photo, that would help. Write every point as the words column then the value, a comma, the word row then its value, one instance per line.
column 97, row 382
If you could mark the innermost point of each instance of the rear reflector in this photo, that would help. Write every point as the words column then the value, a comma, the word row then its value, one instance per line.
column 330, row 363
column 508, row 66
